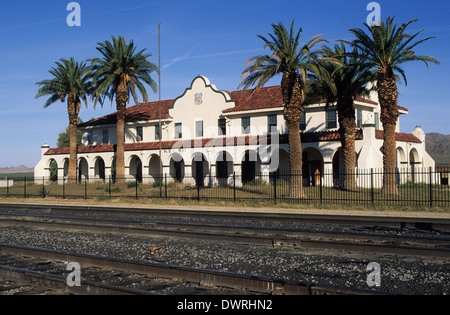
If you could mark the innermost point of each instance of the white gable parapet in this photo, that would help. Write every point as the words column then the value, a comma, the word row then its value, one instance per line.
column 201, row 103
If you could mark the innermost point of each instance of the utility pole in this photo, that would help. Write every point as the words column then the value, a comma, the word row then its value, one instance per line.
column 159, row 105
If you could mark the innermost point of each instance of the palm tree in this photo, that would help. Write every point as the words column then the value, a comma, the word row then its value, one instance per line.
column 117, row 75
column 341, row 84
column 387, row 47
column 294, row 63
column 71, row 82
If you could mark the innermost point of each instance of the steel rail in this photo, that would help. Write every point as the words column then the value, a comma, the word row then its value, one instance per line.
column 248, row 283
column 402, row 222
column 150, row 226
column 259, row 236
column 52, row 281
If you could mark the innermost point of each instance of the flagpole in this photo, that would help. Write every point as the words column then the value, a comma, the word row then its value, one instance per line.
column 159, row 105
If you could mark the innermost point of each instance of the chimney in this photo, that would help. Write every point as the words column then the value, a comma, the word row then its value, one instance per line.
column 418, row 132
column 44, row 148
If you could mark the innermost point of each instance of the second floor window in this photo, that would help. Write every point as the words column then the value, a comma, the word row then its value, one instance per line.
column 272, row 123
column 157, row 137
column 222, row 124
column 245, row 125
column 90, row 137
column 303, row 122
column 105, row 136
column 199, row 128
column 359, row 118
column 139, row 133
column 178, row 131
column 331, row 119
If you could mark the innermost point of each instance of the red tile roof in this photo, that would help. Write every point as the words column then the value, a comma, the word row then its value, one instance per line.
column 400, row 137
column 139, row 112
column 307, row 137
column 269, row 97
column 81, row 149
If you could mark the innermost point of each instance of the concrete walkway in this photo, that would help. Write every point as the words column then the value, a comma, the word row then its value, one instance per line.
column 379, row 213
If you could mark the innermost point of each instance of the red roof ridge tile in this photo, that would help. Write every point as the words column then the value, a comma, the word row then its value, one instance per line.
column 399, row 136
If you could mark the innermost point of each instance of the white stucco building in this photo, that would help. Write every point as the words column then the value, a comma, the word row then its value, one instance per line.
column 211, row 134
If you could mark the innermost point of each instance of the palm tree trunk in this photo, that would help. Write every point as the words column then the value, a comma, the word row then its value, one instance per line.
column 293, row 99
column 388, row 96
column 121, row 103
column 73, row 109
column 347, row 130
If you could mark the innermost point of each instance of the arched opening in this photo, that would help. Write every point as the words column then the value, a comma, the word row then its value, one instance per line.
column 402, row 164
column 53, row 170
column 136, row 168
column 401, row 158
column 83, row 170
column 113, row 169
column 338, row 168
column 200, row 169
column 414, row 163
column 155, row 168
column 312, row 167
column 177, row 167
column 66, row 167
column 99, row 167
column 224, row 167
column 251, row 166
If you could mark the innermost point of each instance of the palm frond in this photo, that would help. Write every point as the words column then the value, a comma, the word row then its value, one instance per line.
column 120, row 59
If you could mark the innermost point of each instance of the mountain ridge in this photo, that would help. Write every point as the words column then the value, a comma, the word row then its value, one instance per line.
column 15, row 169
column 438, row 146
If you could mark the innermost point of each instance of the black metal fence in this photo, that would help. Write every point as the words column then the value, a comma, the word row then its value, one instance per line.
column 415, row 187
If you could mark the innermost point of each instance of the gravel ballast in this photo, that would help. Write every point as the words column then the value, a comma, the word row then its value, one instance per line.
column 399, row 274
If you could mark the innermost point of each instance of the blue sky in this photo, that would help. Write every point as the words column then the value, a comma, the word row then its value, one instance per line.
column 208, row 37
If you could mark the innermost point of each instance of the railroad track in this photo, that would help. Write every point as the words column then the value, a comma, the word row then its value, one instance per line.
column 146, row 278
column 227, row 227
column 400, row 222
column 431, row 246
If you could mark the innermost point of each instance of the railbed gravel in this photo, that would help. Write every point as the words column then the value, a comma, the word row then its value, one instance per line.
column 399, row 274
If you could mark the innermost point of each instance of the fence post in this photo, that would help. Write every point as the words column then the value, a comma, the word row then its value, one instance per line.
column 431, row 188
column 64, row 188
column 275, row 187
column 109, row 188
column 198, row 189
column 85, row 188
column 43, row 187
column 234, row 186
column 321, row 192
column 136, row 189
column 7, row 187
column 165, row 185
column 25, row 187
column 371, row 187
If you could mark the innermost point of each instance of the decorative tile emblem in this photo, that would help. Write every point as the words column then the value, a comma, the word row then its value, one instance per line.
column 198, row 98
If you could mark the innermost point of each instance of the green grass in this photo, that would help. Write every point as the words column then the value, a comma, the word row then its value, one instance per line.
column 411, row 196
column 21, row 176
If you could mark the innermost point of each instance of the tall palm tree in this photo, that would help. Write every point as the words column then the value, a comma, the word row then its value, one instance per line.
column 387, row 48
column 117, row 75
column 71, row 81
column 341, row 84
column 294, row 62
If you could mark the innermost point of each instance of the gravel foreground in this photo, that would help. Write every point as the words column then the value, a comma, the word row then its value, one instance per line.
column 399, row 274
